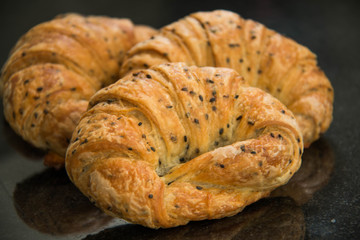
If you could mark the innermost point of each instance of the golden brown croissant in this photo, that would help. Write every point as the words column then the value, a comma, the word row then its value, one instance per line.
column 173, row 144
column 263, row 57
column 54, row 69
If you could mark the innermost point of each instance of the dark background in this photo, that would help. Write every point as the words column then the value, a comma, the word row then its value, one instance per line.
column 329, row 28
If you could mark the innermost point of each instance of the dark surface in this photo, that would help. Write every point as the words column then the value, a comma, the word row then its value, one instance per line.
column 42, row 204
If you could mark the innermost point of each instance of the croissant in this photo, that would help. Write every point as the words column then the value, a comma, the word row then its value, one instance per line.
column 173, row 144
column 55, row 68
column 266, row 60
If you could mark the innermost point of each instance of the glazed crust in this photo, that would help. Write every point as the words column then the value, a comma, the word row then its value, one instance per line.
column 55, row 68
column 173, row 144
column 266, row 59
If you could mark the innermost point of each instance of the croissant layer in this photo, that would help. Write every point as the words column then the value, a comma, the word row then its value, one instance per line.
column 173, row 144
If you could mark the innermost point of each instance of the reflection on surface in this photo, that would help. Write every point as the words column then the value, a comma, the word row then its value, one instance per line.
column 50, row 203
column 272, row 218
column 316, row 168
column 17, row 143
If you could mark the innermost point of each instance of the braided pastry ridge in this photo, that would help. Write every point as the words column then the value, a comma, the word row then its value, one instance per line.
column 173, row 144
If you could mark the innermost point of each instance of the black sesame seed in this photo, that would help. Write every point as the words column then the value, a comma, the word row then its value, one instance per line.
column 290, row 161
column 300, row 151
column 187, row 114
column 222, row 165
column 272, row 135
column 241, row 60
column 148, row 76
column 169, row 106
column 221, row 131
column 227, row 125
column 23, row 54
column 196, row 120
column 26, row 81
column 150, row 196
column 73, row 152
column 227, row 60
column 140, row 123
column 184, row 89
column 36, row 97
column 46, row 111
column 182, row 160
column 209, row 80
column 185, row 138
column 143, row 136
column 165, row 54
column 249, row 69
column 260, row 163
column 187, row 147
column 214, row 93
column 159, row 162
column 136, row 74
column 236, row 96
column 216, row 143
column 298, row 139
column 259, row 71
column 238, row 27
column 239, row 118
column 192, row 92
column 242, row 147
column 232, row 45
column 83, row 142
column 146, row 65
column 225, row 96
column 197, row 150
column 199, row 188
column 280, row 137
column 251, row 123
column 32, row 125
column 213, row 108
column 253, row 37
column 39, row 89
column 173, row 138
column 253, row 152
column 212, row 99
column 35, row 115
column 201, row 98
column 152, row 149
column 130, row 149
column 206, row 116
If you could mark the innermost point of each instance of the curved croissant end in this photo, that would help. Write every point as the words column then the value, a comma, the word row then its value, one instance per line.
column 173, row 144
column 263, row 57
column 55, row 68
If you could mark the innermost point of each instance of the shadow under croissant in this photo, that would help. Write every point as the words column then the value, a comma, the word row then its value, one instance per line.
column 18, row 144
column 314, row 173
column 50, row 203
column 272, row 218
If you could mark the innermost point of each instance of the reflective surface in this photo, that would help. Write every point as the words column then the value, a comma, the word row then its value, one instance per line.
column 321, row 201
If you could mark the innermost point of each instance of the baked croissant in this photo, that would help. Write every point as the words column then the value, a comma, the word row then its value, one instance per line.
column 263, row 57
column 55, row 68
column 173, row 144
